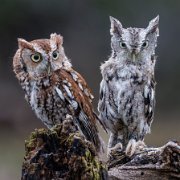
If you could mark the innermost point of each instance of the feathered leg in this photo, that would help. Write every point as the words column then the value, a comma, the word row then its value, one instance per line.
column 114, row 144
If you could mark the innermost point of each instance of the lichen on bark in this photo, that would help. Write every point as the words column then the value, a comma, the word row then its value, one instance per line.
column 61, row 153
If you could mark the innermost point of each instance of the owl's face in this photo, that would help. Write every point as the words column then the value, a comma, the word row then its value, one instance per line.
column 41, row 57
column 134, row 44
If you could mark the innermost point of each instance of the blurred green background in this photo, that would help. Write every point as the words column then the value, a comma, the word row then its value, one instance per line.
column 85, row 27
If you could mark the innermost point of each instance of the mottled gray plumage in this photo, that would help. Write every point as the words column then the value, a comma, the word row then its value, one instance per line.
column 127, row 90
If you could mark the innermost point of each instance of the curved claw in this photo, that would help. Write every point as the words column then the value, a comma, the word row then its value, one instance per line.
column 111, row 150
column 131, row 147
column 134, row 146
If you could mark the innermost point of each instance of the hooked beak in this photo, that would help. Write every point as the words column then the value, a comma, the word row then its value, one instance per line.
column 133, row 57
column 49, row 69
column 134, row 54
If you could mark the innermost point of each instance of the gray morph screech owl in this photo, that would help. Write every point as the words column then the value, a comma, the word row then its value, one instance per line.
column 52, row 88
column 127, row 90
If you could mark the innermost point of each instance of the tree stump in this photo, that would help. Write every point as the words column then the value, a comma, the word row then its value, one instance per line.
column 61, row 153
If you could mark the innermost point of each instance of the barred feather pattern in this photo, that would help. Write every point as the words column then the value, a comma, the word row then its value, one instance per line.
column 127, row 90
column 127, row 99
column 53, row 96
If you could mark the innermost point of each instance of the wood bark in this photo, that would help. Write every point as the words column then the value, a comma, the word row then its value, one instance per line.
column 161, row 163
column 62, row 153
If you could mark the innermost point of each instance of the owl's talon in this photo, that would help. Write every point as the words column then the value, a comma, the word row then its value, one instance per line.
column 131, row 147
column 134, row 147
column 140, row 145
column 117, row 147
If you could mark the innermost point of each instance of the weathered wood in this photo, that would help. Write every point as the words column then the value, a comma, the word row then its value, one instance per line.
column 161, row 163
column 61, row 153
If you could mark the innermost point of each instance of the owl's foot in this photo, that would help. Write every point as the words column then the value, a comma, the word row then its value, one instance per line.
column 131, row 147
column 140, row 146
column 134, row 147
column 117, row 147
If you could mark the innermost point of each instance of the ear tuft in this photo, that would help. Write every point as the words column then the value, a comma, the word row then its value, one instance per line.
column 116, row 26
column 153, row 26
column 56, row 38
column 22, row 43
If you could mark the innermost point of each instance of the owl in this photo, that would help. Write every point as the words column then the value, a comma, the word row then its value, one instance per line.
column 127, row 90
column 53, row 88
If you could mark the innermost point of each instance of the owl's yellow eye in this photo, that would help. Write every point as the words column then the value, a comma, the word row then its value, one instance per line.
column 36, row 57
column 55, row 55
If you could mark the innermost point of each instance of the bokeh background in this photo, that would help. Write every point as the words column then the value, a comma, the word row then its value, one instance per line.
column 85, row 27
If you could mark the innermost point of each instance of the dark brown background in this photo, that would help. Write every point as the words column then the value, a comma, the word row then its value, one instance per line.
column 85, row 27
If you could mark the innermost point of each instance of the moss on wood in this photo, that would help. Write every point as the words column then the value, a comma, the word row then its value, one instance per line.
column 61, row 153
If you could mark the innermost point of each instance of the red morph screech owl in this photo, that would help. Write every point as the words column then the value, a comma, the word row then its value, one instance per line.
column 53, row 88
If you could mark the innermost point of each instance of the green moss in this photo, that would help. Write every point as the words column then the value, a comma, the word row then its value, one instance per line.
column 61, row 153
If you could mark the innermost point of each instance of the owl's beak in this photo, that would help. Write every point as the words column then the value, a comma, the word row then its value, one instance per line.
column 134, row 54
column 133, row 57
column 49, row 69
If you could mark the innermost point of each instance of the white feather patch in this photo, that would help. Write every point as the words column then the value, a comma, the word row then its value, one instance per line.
column 59, row 93
column 74, row 76
column 68, row 91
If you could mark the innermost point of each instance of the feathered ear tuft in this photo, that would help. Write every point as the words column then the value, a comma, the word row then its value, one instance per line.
column 116, row 27
column 22, row 43
column 56, row 39
column 153, row 26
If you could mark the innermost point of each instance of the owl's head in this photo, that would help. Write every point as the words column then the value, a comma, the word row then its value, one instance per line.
column 39, row 58
column 134, row 44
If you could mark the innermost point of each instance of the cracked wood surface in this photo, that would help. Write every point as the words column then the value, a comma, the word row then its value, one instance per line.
column 161, row 163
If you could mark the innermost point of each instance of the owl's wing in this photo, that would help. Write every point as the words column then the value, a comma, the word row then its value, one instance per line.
column 149, row 101
column 79, row 97
column 87, row 92
column 101, row 103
